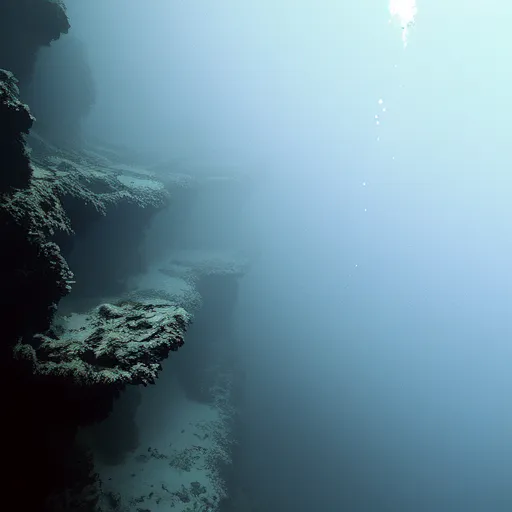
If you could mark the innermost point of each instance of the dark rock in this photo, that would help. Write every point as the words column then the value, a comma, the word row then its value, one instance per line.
column 25, row 26
column 15, row 122
column 112, row 346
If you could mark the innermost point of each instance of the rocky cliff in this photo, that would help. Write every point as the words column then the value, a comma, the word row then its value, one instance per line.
column 84, row 312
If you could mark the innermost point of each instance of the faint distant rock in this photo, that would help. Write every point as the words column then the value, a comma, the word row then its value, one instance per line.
column 196, row 264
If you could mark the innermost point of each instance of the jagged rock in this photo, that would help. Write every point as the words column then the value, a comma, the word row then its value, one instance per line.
column 79, row 187
column 34, row 275
column 113, row 346
column 57, row 377
column 58, row 381
column 15, row 123
column 170, row 289
column 93, row 181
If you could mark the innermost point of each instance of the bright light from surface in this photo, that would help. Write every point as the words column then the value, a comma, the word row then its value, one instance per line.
column 405, row 12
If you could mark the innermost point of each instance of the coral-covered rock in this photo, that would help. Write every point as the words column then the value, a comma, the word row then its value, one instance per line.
column 15, row 122
column 112, row 346
column 198, row 264
column 34, row 275
column 61, row 378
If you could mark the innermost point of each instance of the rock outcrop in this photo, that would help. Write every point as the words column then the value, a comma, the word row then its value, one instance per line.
column 34, row 275
column 113, row 346
column 84, row 313
column 16, row 122
column 59, row 377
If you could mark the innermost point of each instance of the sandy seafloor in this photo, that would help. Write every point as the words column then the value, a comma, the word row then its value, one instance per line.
column 174, row 466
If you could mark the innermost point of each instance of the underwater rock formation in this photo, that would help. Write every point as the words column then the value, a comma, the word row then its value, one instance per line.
column 113, row 346
column 107, row 209
column 48, row 198
column 16, row 122
column 25, row 26
column 34, row 275
column 47, row 201
column 79, row 323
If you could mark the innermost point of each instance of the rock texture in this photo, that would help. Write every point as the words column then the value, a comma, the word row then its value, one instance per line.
column 16, row 123
column 59, row 377
column 34, row 275
column 114, row 345
column 78, row 325
column 47, row 200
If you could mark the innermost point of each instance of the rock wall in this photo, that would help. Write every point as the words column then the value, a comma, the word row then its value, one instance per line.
column 86, row 313
column 57, row 376
column 74, row 340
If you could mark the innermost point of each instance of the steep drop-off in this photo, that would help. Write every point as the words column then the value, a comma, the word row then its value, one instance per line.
column 86, row 314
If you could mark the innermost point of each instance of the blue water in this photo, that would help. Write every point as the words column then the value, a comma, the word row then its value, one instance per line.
column 374, row 328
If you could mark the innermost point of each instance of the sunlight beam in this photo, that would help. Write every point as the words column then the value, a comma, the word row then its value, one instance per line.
column 404, row 11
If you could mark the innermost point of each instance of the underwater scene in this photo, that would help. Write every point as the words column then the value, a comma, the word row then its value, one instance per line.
column 256, row 256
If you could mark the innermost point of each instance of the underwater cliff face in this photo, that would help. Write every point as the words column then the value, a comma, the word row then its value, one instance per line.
column 70, row 203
